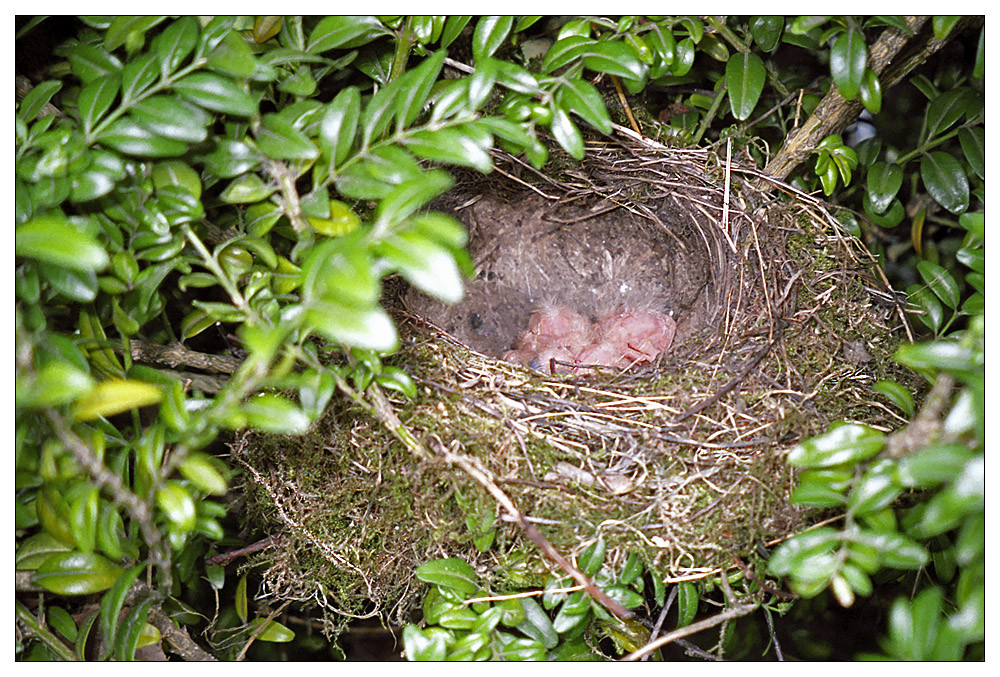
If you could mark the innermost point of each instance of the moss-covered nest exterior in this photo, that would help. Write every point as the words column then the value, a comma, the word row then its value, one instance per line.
column 781, row 329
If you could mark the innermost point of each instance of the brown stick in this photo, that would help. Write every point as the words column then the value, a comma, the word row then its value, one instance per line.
column 482, row 476
column 224, row 558
column 721, row 617
column 834, row 113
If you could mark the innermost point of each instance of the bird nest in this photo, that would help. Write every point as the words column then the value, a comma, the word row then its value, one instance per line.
column 777, row 328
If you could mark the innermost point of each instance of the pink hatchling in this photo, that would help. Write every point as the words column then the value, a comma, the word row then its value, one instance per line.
column 637, row 335
column 561, row 335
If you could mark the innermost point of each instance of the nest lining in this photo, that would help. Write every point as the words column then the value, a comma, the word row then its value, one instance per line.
column 680, row 460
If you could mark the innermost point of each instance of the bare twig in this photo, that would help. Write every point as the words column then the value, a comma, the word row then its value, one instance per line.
column 732, row 612
column 224, row 558
column 178, row 638
column 482, row 476
column 834, row 112
column 119, row 493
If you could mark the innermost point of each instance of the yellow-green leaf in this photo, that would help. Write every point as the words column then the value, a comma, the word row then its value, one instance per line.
column 115, row 396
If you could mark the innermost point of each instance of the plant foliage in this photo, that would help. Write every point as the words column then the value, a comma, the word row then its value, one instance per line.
column 245, row 184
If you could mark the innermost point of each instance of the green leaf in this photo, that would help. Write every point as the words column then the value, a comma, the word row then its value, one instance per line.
column 127, row 136
column 275, row 414
column 944, row 355
column 339, row 123
column 36, row 549
column 941, row 282
column 175, row 43
column 105, row 171
column 574, row 612
column 566, row 133
column 876, row 490
column 232, row 56
column 369, row 328
column 406, row 198
column 231, row 158
column 564, row 51
column 591, row 559
column 766, row 31
column 896, row 394
column 273, row 632
column 89, row 62
column 511, row 132
column 216, row 93
column 945, row 181
column 795, row 555
column 443, row 229
column 848, row 60
column 490, row 33
column 425, row 265
column 871, row 92
column 128, row 30
column 814, row 492
column 379, row 112
column 396, row 379
column 115, row 396
column 279, row 139
column 615, row 58
column 581, row 97
column 132, row 626
column 62, row 622
column 946, row 109
column 199, row 469
column 414, row 88
column 973, row 257
column 174, row 499
column 933, row 465
column 684, row 57
column 240, row 601
column 80, row 286
column 54, row 239
column 974, row 223
column 453, row 27
column 35, row 100
column 884, row 182
column 344, row 32
column 56, row 383
column 451, row 145
column 842, row 443
column 376, row 176
column 137, row 76
column 77, row 573
column 340, row 270
column 96, row 98
column 687, row 603
column 515, row 78
column 424, row 646
column 451, row 573
column 537, row 625
column 480, row 86
column 113, row 601
column 943, row 24
column 172, row 118
column 745, row 76
column 974, row 147
column 458, row 618
column 932, row 314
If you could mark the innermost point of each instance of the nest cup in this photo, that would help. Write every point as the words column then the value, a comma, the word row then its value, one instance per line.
column 592, row 248
column 679, row 460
